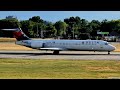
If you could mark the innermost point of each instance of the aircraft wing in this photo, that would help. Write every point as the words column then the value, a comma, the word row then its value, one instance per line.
column 60, row 49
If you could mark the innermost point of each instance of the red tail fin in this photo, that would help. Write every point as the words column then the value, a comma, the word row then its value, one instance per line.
column 18, row 34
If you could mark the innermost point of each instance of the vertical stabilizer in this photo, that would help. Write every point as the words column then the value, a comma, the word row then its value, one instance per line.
column 18, row 34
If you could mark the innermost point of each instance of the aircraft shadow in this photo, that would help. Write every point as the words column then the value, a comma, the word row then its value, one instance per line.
column 69, row 54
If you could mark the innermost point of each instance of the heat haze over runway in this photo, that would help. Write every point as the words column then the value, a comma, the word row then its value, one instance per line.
column 71, row 55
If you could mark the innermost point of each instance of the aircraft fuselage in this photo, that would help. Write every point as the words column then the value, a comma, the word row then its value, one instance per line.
column 77, row 45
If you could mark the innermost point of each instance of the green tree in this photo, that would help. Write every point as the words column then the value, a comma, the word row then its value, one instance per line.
column 74, row 25
column 113, row 25
column 105, row 26
column 61, row 28
column 9, row 23
column 95, row 26
column 36, row 19
column 50, row 30
column 25, row 26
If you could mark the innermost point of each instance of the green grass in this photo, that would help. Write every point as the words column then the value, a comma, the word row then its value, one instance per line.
column 58, row 69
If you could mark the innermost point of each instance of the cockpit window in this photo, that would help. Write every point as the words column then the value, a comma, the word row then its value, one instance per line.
column 106, row 43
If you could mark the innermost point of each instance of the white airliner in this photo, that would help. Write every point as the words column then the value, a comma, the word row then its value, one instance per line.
column 61, row 45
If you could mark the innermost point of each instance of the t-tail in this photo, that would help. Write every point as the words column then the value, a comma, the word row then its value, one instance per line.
column 18, row 34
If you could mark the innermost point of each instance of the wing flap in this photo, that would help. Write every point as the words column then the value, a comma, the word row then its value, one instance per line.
column 60, row 49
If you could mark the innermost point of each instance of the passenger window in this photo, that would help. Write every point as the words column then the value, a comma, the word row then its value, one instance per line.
column 89, row 42
column 82, row 42
column 86, row 42
column 92, row 43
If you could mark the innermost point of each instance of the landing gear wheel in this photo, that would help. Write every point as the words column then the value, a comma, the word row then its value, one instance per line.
column 108, row 52
column 56, row 52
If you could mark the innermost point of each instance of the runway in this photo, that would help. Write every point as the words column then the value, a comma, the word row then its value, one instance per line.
column 67, row 55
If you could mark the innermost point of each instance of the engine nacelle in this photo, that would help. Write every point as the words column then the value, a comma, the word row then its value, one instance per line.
column 37, row 44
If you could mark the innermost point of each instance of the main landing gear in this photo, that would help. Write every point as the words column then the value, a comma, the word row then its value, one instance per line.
column 56, row 52
column 108, row 52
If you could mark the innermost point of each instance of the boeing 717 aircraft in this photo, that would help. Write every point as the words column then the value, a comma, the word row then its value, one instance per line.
column 61, row 45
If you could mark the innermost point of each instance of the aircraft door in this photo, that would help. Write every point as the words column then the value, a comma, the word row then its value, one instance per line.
column 93, row 45
column 43, row 45
column 90, row 45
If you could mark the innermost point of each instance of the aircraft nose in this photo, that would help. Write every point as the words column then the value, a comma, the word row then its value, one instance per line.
column 113, row 48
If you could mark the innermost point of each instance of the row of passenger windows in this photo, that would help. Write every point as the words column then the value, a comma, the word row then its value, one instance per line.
column 81, row 43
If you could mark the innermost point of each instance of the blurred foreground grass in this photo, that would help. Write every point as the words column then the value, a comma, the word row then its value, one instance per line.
column 58, row 69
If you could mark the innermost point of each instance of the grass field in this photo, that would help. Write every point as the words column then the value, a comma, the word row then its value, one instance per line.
column 117, row 45
column 12, row 46
column 58, row 69
column 7, row 39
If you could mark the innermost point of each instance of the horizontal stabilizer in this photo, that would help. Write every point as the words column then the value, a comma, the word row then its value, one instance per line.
column 17, row 29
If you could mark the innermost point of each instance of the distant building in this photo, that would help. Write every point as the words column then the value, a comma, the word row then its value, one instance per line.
column 113, row 36
column 11, row 17
column 113, row 33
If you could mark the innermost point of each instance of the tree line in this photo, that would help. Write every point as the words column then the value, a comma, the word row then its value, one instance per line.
column 69, row 28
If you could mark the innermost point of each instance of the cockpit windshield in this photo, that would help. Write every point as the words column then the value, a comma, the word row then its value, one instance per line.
column 106, row 43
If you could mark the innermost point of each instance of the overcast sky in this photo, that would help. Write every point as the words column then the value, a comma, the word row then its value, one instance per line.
column 54, row 16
